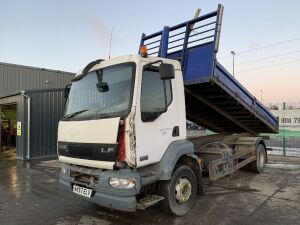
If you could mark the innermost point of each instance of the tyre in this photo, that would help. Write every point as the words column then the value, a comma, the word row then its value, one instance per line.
column 259, row 164
column 180, row 192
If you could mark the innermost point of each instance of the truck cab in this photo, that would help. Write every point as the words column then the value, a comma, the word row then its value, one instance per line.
column 122, row 115
column 118, row 109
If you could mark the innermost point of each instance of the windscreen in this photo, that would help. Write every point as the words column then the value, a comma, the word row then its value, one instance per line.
column 101, row 94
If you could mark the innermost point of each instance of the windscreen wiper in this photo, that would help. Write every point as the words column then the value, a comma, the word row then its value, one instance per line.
column 71, row 115
column 106, row 115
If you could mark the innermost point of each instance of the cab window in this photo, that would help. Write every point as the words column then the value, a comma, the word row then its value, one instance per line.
column 156, row 95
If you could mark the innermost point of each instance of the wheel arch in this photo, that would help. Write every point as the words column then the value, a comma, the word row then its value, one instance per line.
column 180, row 153
column 175, row 151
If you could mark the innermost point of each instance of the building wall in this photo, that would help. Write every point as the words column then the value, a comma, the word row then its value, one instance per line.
column 47, row 107
column 14, row 78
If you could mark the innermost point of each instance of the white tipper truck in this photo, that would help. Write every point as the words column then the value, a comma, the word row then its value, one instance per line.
column 123, row 142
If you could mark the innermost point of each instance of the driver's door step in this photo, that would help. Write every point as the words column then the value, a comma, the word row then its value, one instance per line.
column 148, row 201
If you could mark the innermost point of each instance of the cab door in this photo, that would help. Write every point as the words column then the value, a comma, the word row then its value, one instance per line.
column 157, row 119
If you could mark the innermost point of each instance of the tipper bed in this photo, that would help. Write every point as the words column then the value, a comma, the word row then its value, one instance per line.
column 214, row 98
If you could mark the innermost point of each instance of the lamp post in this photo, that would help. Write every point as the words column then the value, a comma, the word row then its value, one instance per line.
column 110, row 40
column 233, row 54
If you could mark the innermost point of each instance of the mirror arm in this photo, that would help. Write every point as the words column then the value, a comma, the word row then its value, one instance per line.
column 147, row 66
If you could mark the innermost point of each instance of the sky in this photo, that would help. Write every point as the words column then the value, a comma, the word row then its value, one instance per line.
column 68, row 34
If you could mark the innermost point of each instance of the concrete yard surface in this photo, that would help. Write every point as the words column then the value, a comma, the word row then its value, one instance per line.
column 29, row 194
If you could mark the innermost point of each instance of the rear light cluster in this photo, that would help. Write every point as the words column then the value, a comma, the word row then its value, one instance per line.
column 121, row 141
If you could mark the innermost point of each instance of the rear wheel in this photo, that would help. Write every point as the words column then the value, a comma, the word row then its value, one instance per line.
column 259, row 164
column 179, row 192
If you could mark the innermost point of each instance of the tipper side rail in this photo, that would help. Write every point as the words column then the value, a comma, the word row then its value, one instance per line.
column 214, row 98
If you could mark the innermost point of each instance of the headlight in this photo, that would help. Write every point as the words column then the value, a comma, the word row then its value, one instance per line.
column 122, row 183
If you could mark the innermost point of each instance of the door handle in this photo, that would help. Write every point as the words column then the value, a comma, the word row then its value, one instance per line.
column 175, row 132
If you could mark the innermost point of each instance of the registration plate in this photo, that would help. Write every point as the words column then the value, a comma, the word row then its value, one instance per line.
column 82, row 191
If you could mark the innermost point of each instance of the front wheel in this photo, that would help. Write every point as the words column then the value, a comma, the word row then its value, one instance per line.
column 179, row 192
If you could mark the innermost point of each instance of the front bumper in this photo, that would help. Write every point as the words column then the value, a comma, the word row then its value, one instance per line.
column 127, row 203
column 104, row 194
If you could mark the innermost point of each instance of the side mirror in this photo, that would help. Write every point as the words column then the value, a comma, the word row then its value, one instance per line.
column 67, row 90
column 102, row 87
column 166, row 71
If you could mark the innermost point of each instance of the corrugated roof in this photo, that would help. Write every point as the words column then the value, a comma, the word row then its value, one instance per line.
column 36, row 68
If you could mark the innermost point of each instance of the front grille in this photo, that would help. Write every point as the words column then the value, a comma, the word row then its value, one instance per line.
column 90, row 151
column 82, row 151
column 84, row 178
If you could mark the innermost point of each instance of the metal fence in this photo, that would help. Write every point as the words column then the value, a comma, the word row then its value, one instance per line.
column 286, row 146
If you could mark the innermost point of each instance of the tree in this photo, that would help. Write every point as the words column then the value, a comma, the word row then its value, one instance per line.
column 274, row 107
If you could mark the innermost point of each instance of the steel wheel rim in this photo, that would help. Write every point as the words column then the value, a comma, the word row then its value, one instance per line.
column 183, row 190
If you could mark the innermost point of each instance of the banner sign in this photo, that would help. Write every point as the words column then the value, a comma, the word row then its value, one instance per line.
column 289, row 121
